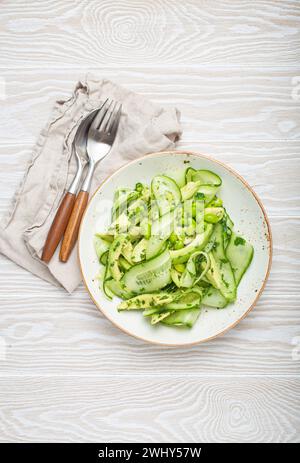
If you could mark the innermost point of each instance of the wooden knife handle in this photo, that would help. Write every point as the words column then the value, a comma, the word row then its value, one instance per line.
column 72, row 229
column 58, row 226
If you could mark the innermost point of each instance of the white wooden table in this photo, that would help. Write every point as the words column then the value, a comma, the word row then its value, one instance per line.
column 233, row 69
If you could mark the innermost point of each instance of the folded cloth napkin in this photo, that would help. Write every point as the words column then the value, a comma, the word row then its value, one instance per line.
column 144, row 128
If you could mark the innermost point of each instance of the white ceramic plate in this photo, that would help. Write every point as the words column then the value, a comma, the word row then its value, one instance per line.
column 250, row 221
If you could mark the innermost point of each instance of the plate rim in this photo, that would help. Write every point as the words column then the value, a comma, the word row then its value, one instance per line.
column 269, row 239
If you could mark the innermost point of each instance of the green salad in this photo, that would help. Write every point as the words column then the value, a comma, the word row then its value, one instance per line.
column 171, row 248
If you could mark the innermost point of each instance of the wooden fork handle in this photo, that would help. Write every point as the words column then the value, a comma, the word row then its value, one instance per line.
column 72, row 229
column 58, row 226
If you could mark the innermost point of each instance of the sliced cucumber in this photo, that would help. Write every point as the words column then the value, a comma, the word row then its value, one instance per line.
column 137, row 211
column 127, row 251
column 139, row 251
column 104, row 258
column 107, row 277
column 167, row 193
column 163, row 226
column 108, row 293
column 213, row 298
column 117, row 289
column 189, row 300
column 129, row 217
column 108, row 237
column 206, row 177
column 115, row 251
column 145, row 227
column 150, row 275
column 135, row 233
column 124, row 264
column 171, row 248
column 240, row 254
column 189, row 174
column 101, row 246
column 198, row 244
column 188, row 190
column 122, row 201
column 227, row 229
column 176, row 277
column 143, row 190
column 185, row 318
column 155, row 245
column 179, row 177
column 161, row 230
column 120, row 225
column 220, row 274
column 207, row 192
column 195, row 270
column 151, row 311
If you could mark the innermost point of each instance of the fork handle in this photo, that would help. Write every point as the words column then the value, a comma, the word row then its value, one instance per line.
column 58, row 226
column 71, row 233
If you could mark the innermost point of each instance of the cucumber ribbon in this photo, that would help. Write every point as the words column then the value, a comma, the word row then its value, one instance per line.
column 171, row 248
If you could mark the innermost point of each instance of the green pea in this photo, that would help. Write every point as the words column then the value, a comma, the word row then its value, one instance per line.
column 179, row 245
column 173, row 238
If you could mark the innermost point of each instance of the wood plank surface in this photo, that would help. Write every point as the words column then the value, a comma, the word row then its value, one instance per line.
column 232, row 69
column 128, row 32
column 137, row 410
column 217, row 104
column 271, row 168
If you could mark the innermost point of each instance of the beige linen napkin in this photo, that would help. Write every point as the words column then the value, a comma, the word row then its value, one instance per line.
column 144, row 128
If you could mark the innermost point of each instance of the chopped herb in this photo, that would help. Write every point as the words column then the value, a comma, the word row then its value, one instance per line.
column 214, row 246
column 224, row 281
column 239, row 240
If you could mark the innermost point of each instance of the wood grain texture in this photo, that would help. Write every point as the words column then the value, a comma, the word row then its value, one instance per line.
column 260, row 163
column 217, row 104
column 232, row 69
column 165, row 410
column 126, row 32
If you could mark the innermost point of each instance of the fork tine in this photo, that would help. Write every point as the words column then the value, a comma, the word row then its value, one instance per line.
column 84, row 125
column 99, row 116
column 108, row 124
column 106, row 113
column 115, row 122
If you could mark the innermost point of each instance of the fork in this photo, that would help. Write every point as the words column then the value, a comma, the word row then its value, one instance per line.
column 100, row 138
column 63, row 213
